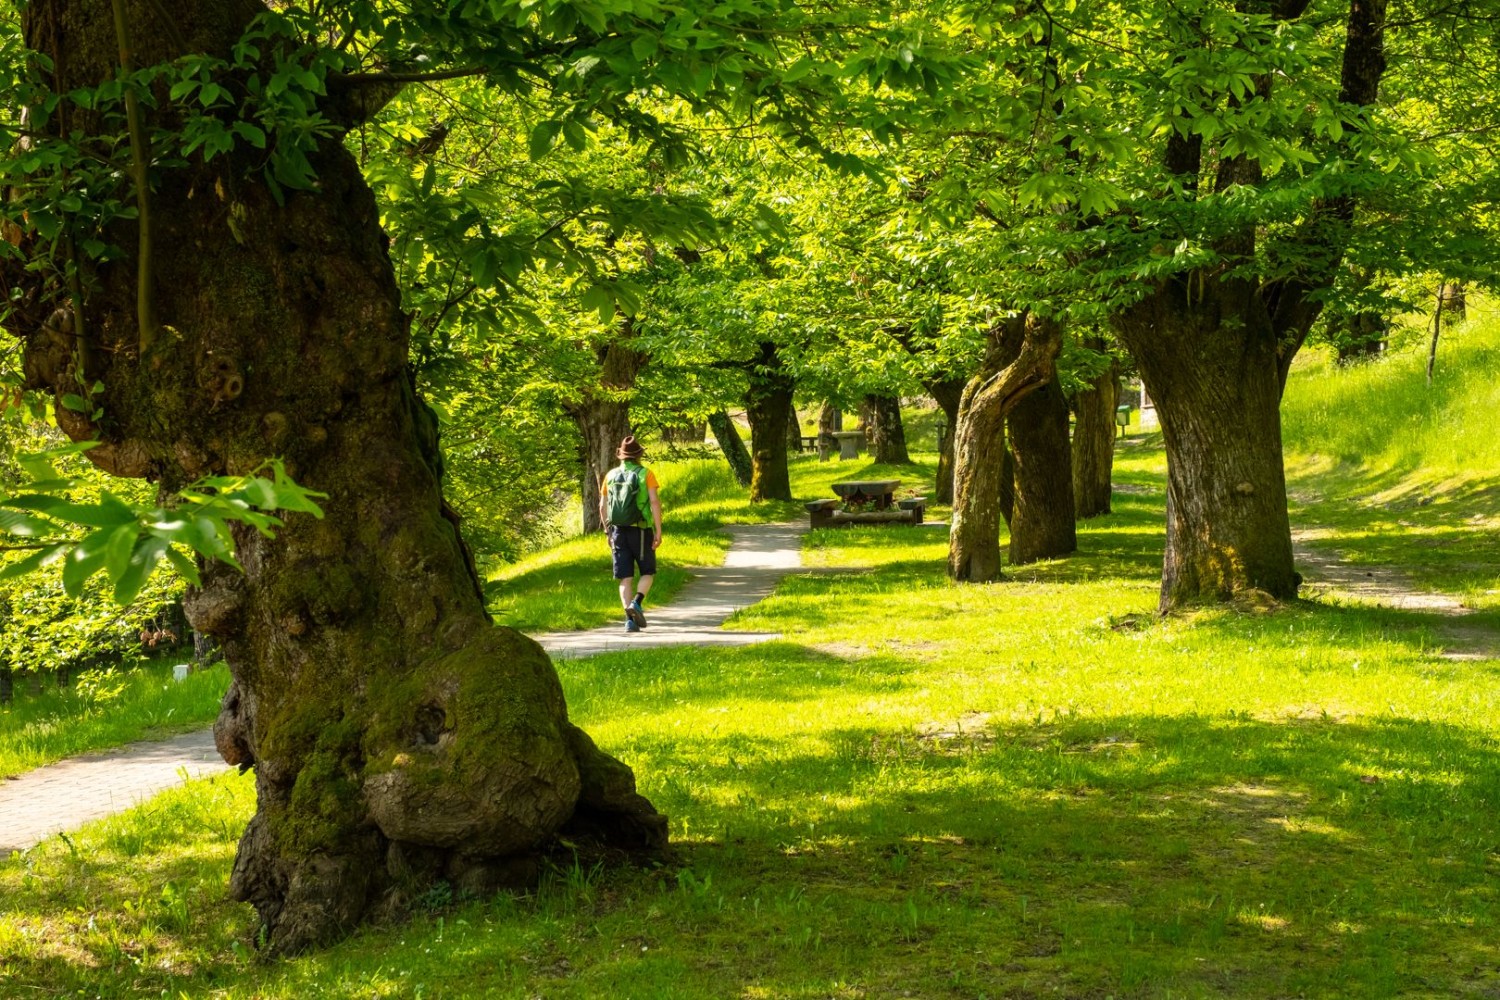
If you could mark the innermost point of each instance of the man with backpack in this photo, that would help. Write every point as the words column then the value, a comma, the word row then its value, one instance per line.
column 627, row 499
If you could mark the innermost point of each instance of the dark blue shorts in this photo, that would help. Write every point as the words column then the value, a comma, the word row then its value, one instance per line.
column 630, row 547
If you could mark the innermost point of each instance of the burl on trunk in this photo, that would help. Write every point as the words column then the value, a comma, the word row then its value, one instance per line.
column 398, row 738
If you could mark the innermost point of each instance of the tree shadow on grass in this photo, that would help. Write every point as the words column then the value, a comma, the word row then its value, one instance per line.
column 1139, row 853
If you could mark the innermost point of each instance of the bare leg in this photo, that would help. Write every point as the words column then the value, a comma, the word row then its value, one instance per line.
column 627, row 592
column 643, row 588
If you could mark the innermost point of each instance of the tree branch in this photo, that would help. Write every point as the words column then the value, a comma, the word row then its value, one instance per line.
column 140, row 153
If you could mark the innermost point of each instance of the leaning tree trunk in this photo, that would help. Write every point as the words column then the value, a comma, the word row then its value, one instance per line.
column 1094, row 439
column 768, row 400
column 793, row 429
column 398, row 738
column 948, row 392
column 602, row 416
column 1042, row 525
column 886, row 433
column 1207, row 352
column 1020, row 356
column 732, row 445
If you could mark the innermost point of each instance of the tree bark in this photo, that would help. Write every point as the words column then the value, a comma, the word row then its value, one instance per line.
column 793, row 430
column 7, row 685
column 602, row 416
column 948, row 393
column 767, row 402
column 884, row 429
column 398, row 738
column 1042, row 525
column 1208, row 355
column 1094, row 439
column 1020, row 357
column 732, row 445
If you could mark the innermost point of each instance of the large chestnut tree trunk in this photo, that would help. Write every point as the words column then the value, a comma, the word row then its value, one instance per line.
column 1227, row 527
column 1041, row 524
column 1094, row 440
column 1020, row 357
column 398, row 738
column 1215, row 348
column 768, row 401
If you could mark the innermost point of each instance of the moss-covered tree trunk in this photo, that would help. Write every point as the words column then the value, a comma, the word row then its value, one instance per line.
column 602, row 416
column 1042, row 525
column 398, row 738
column 1094, row 439
column 1020, row 356
column 884, row 429
column 1208, row 356
column 768, row 400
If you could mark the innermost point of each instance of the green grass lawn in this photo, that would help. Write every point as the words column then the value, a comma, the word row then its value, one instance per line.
column 1027, row 788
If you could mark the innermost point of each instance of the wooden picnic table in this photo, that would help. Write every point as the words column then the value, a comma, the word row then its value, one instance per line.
column 881, row 491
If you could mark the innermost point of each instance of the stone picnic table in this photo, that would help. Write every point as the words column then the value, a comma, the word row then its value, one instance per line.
column 878, row 493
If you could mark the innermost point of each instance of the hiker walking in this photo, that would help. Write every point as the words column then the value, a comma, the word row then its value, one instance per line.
column 627, row 500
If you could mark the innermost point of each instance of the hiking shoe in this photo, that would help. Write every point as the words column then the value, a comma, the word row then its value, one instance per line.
column 635, row 614
column 631, row 626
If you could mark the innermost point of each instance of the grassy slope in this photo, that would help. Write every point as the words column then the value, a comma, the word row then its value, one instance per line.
column 1403, row 474
column 1020, row 789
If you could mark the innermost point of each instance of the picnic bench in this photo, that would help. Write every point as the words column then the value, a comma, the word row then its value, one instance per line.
column 872, row 502
column 848, row 443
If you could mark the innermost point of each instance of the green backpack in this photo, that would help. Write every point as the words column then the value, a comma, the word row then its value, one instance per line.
column 623, row 497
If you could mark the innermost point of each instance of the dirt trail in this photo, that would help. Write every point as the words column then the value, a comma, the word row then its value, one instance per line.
column 1386, row 586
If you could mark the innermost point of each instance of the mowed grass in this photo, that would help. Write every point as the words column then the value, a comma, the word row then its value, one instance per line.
column 42, row 727
column 1026, row 788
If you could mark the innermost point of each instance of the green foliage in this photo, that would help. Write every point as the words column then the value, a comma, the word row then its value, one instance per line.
column 129, row 540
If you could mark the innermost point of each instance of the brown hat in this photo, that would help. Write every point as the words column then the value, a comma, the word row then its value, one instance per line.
column 630, row 449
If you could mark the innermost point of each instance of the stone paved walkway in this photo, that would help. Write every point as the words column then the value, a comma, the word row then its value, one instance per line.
column 65, row 795
column 61, row 796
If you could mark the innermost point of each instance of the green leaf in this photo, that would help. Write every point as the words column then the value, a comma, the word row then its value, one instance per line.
column 31, row 563
column 117, row 550
column 109, row 512
column 13, row 522
column 543, row 135
column 86, row 559
column 142, row 563
column 185, row 567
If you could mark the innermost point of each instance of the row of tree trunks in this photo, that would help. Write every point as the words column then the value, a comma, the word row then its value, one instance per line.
column 732, row 446
column 1094, row 438
column 884, row 431
column 768, row 401
column 1041, row 525
column 398, row 738
column 692, row 432
column 602, row 416
column 1020, row 357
